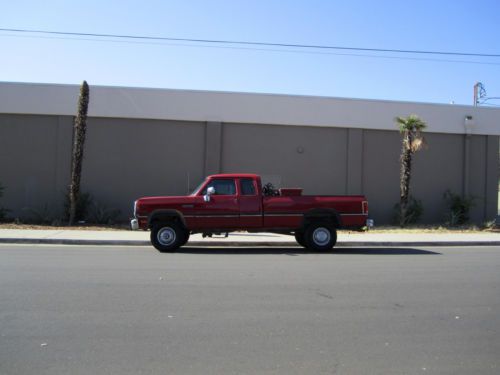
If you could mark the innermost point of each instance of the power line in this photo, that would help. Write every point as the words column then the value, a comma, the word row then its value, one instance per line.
column 484, row 102
column 281, row 50
column 237, row 42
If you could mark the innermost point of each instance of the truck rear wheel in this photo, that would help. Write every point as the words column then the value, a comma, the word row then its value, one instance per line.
column 167, row 236
column 320, row 236
column 299, row 237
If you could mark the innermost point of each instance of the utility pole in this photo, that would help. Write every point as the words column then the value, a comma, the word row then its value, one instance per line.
column 476, row 86
column 479, row 93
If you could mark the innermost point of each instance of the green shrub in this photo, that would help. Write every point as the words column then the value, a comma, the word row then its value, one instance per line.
column 91, row 211
column 413, row 213
column 490, row 224
column 100, row 214
column 82, row 207
column 3, row 210
column 88, row 211
column 3, row 214
column 458, row 208
column 42, row 215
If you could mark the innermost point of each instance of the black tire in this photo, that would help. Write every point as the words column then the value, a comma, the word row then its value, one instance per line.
column 167, row 236
column 320, row 236
column 186, row 238
column 299, row 237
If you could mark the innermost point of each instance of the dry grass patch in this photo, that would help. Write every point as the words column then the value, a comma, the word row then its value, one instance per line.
column 117, row 227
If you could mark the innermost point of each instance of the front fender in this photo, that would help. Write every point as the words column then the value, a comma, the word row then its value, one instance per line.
column 166, row 215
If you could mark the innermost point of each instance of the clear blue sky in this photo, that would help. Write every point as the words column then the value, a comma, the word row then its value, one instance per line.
column 466, row 26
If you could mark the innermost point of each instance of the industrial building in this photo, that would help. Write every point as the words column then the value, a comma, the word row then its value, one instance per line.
column 143, row 142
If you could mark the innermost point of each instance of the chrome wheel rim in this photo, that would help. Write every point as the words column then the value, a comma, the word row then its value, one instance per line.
column 166, row 236
column 321, row 236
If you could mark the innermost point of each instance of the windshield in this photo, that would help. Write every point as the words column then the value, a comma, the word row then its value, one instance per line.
column 198, row 187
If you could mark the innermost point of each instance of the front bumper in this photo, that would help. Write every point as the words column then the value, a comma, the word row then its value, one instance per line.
column 134, row 224
column 370, row 223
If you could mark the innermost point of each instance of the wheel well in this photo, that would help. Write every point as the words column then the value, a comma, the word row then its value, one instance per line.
column 160, row 216
column 324, row 215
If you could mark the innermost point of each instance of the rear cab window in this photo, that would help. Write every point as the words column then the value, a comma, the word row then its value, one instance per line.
column 247, row 186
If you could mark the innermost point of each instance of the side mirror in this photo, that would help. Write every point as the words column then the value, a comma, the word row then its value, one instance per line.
column 210, row 191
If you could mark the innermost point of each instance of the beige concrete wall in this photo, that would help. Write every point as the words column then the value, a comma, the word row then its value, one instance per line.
column 492, row 177
column 126, row 159
column 243, row 108
column 381, row 150
column 443, row 165
column 33, row 168
column 436, row 169
column 310, row 157
column 123, row 159
column 477, row 171
column 129, row 158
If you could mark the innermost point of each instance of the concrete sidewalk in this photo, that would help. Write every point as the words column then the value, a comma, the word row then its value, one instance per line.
column 141, row 238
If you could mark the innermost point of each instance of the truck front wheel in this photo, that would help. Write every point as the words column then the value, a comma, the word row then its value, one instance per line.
column 186, row 238
column 167, row 237
column 320, row 236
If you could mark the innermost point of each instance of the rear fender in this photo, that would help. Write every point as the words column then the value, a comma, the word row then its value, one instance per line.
column 328, row 215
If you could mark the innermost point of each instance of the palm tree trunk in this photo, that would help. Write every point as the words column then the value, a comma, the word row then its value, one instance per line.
column 405, row 175
column 78, row 143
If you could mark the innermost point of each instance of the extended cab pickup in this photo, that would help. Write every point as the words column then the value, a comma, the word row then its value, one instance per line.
column 238, row 202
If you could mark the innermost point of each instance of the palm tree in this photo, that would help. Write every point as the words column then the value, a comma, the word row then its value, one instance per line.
column 411, row 129
column 78, row 143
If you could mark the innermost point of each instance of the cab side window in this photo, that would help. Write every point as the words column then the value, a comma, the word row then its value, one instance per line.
column 222, row 187
column 247, row 186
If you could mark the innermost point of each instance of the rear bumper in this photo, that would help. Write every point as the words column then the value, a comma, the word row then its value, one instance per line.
column 353, row 220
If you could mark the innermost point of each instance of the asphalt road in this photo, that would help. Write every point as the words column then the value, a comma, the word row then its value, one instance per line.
column 113, row 310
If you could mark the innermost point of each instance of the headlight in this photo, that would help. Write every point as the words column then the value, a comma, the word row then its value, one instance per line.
column 135, row 208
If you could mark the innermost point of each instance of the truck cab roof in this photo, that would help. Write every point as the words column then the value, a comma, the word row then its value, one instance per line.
column 235, row 175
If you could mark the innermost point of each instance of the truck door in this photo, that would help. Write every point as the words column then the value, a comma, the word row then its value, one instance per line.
column 250, row 204
column 222, row 211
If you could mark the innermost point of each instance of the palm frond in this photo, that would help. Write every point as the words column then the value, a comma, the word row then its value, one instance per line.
column 418, row 144
column 410, row 123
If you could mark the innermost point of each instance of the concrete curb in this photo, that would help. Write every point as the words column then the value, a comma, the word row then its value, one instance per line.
column 65, row 241
column 54, row 241
column 419, row 243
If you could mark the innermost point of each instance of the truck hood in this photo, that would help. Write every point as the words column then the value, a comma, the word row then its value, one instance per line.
column 147, row 204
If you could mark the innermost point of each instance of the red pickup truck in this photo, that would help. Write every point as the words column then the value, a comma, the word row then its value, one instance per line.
column 225, row 203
